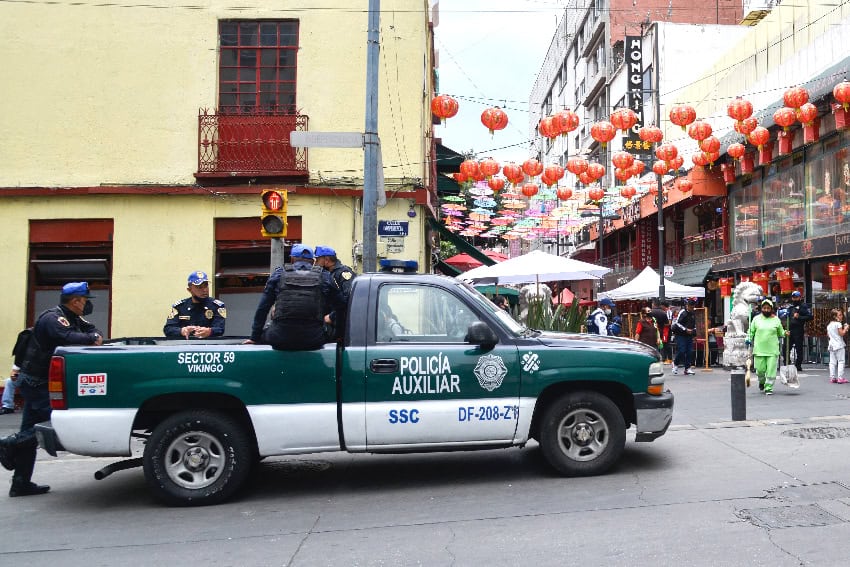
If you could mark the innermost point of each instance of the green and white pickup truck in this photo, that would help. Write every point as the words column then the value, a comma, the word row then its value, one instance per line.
column 454, row 373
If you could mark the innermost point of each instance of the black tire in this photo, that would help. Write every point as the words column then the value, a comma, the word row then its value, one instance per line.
column 582, row 434
column 197, row 458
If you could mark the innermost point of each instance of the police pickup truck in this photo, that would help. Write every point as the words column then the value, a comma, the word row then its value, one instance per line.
column 428, row 364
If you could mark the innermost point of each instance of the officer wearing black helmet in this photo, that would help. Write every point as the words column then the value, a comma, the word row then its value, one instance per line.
column 198, row 316
column 798, row 314
column 341, row 277
column 62, row 325
column 685, row 329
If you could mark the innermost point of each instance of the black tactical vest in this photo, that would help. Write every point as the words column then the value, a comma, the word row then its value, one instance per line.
column 299, row 295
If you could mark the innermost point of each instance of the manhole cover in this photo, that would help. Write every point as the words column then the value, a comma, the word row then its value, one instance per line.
column 824, row 432
column 789, row 516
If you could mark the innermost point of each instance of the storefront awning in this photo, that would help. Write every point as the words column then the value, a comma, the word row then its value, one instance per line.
column 692, row 274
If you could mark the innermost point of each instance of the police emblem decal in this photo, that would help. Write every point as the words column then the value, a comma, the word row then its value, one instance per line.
column 530, row 362
column 64, row 322
column 208, row 314
column 346, row 275
column 223, row 312
column 490, row 371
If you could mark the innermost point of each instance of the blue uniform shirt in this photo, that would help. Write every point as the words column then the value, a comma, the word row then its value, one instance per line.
column 208, row 313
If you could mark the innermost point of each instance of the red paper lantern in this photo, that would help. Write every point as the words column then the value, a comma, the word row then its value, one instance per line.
column 513, row 172
column 711, row 157
column 796, row 97
column 710, row 145
column 532, row 167
column 494, row 119
column 736, row 150
column 496, row 184
column 548, row 128
column 577, row 165
column 585, row 178
column 595, row 171
column 564, row 193
column 761, row 278
column 637, row 168
column 489, row 167
column 682, row 115
column 547, row 180
column 807, row 114
column 726, row 285
column 460, row 177
column 566, row 121
column 623, row 119
column 530, row 189
column 684, row 184
column 622, row 174
column 622, row 160
column 603, row 132
column 841, row 92
column 699, row 130
column 478, row 176
column 666, row 152
column 555, row 172
column 746, row 126
column 676, row 162
column 596, row 194
column 785, row 117
column 700, row 159
column 739, row 109
column 444, row 106
column 759, row 137
column 470, row 168
column 651, row 134
column 660, row 167
column 785, row 277
column 628, row 192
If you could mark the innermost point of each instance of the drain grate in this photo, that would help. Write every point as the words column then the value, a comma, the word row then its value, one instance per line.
column 820, row 432
column 807, row 515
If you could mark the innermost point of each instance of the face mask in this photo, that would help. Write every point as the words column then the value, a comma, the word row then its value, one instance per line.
column 88, row 308
column 607, row 311
column 766, row 312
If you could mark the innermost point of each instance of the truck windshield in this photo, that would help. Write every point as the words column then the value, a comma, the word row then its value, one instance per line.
column 501, row 315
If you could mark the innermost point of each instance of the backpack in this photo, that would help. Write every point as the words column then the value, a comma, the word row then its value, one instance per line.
column 22, row 343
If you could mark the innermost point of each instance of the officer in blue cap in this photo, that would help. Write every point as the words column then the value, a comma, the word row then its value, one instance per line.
column 198, row 316
column 62, row 325
column 299, row 292
column 341, row 277
column 597, row 321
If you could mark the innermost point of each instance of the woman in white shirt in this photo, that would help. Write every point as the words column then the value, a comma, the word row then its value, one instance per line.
column 836, row 330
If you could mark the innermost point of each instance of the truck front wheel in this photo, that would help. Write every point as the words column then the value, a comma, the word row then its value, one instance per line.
column 582, row 434
column 196, row 458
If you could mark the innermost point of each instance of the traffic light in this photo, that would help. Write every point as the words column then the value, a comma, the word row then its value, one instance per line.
column 273, row 219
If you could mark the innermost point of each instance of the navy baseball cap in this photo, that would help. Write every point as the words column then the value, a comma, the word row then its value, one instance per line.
column 301, row 251
column 690, row 301
column 77, row 288
column 796, row 294
column 325, row 251
column 197, row 278
column 606, row 301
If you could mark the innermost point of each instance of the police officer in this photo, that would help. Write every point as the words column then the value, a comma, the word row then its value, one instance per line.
column 341, row 277
column 798, row 313
column 597, row 321
column 198, row 315
column 62, row 325
column 684, row 328
column 298, row 295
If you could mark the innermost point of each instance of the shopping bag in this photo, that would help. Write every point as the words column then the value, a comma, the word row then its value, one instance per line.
column 788, row 373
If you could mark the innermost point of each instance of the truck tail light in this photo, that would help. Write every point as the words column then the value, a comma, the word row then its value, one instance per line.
column 56, row 383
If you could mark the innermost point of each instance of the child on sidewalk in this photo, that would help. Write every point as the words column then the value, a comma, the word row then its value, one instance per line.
column 836, row 330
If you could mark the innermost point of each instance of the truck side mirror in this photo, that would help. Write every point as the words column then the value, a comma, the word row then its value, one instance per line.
column 479, row 333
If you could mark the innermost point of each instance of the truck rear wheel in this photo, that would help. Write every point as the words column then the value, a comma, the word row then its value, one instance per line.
column 582, row 434
column 196, row 458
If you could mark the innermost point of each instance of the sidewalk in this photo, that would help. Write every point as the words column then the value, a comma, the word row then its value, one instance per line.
column 704, row 399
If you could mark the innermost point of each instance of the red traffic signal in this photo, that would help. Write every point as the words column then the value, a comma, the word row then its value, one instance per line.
column 273, row 219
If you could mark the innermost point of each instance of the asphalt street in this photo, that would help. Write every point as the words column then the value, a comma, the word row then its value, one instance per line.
column 771, row 490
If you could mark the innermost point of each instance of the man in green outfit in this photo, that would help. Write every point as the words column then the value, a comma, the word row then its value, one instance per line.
column 765, row 331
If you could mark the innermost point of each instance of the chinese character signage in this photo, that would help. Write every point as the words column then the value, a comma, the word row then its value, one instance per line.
column 635, row 98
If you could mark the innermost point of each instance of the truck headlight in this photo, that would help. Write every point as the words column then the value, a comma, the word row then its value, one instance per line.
column 656, row 368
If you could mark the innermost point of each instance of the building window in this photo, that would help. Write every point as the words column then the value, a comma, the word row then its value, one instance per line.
column 257, row 66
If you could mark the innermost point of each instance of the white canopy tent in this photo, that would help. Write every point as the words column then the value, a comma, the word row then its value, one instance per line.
column 645, row 286
column 536, row 266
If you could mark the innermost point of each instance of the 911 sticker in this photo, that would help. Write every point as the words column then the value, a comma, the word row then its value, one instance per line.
column 91, row 384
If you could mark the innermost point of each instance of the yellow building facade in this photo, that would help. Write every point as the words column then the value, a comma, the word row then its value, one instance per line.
column 110, row 175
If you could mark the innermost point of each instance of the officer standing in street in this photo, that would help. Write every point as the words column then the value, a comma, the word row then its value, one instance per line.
column 597, row 321
column 62, row 325
column 297, row 294
column 798, row 314
column 198, row 316
column 341, row 277
column 684, row 328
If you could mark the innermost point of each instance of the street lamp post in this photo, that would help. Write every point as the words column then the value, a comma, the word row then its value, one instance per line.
column 602, row 218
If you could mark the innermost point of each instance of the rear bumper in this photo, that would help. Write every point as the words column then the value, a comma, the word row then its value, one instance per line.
column 654, row 414
column 47, row 438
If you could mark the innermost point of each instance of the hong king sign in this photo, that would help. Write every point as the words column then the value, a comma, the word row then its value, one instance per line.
column 635, row 97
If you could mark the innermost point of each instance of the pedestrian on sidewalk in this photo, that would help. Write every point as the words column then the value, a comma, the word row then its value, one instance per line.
column 646, row 330
column 765, row 332
column 9, row 390
column 836, row 330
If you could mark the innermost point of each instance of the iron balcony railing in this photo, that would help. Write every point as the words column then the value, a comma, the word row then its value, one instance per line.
column 250, row 145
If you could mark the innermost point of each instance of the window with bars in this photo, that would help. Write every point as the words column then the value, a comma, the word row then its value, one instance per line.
column 257, row 66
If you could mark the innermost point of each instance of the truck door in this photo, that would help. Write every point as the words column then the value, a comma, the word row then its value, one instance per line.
column 425, row 386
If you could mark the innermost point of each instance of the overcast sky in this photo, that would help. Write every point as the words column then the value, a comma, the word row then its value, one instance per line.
column 489, row 54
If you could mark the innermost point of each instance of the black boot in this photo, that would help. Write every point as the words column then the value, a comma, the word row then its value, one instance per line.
column 26, row 488
column 7, row 452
